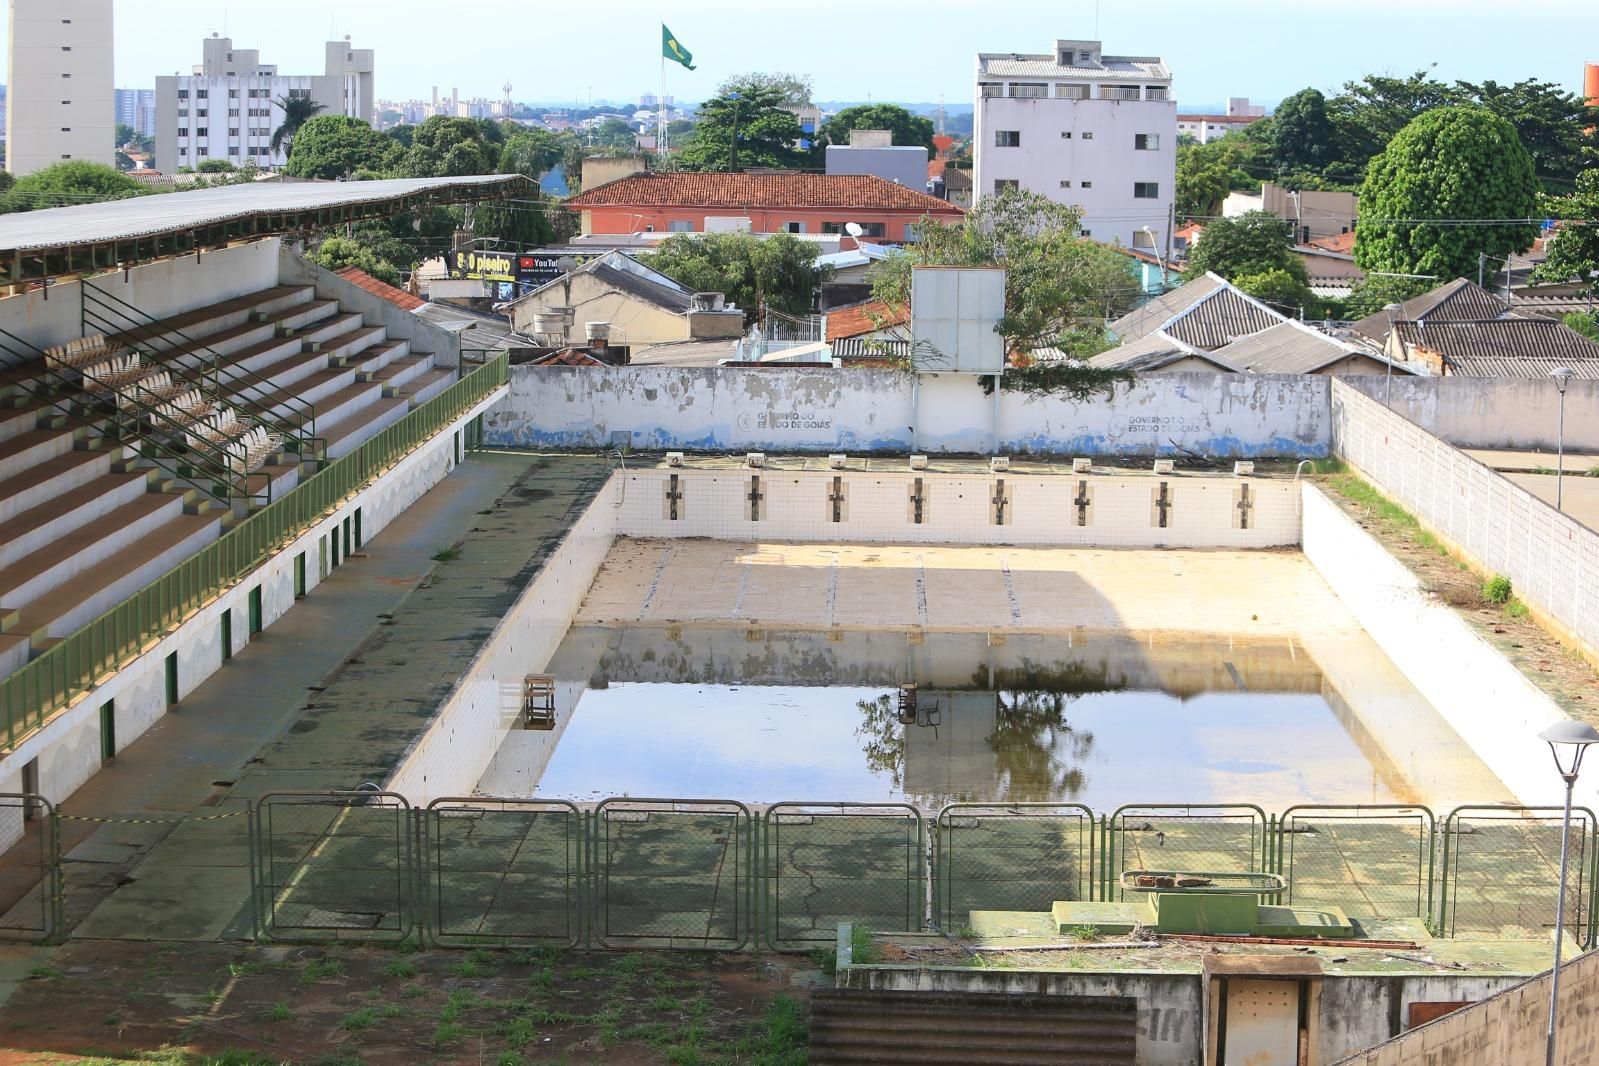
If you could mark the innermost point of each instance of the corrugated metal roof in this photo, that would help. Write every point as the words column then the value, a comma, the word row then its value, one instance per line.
column 1499, row 366
column 1149, row 317
column 665, row 297
column 1221, row 318
column 1154, row 352
column 1457, row 301
column 1556, row 307
column 1287, row 348
column 1493, row 348
column 1131, row 68
column 178, row 212
column 476, row 329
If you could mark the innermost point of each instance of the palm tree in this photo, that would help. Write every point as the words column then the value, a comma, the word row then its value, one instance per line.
column 296, row 111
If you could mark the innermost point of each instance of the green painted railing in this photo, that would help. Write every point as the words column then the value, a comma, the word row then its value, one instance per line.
column 69, row 668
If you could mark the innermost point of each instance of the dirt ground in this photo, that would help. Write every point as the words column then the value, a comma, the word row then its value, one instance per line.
column 103, row 1001
column 1552, row 665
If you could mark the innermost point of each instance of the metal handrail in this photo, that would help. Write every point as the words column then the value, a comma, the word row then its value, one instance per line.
column 69, row 668
column 214, row 463
column 251, row 389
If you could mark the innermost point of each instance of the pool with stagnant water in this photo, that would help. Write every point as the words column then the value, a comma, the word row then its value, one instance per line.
column 1098, row 718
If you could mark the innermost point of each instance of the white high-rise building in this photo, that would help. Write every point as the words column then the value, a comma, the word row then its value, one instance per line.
column 60, row 102
column 230, row 106
column 136, row 108
column 1083, row 128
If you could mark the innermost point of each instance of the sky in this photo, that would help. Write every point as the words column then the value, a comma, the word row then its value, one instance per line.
column 886, row 50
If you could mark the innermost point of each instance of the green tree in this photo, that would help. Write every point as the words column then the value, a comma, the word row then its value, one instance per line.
column 215, row 166
column 297, row 111
column 125, row 134
column 778, row 271
column 452, row 147
column 766, row 132
column 1370, row 112
column 793, row 90
column 1203, row 180
column 1284, row 291
column 1452, row 163
column 74, row 181
column 337, row 146
column 1584, row 322
column 1574, row 249
column 1375, row 292
column 1060, row 288
column 1253, row 243
column 908, row 129
column 615, row 135
column 533, row 152
column 336, row 253
column 1303, row 135
column 1556, row 127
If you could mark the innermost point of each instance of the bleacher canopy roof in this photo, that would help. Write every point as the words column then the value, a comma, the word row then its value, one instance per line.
column 93, row 237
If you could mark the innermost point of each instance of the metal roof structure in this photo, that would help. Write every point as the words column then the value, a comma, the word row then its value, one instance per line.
column 89, row 238
column 1504, row 347
column 1294, row 348
column 1157, row 351
column 1206, row 313
column 1110, row 68
column 1455, row 301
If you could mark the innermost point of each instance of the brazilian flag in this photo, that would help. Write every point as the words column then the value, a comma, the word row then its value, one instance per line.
column 671, row 49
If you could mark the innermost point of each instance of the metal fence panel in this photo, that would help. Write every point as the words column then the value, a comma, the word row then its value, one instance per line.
column 1011, row 857
column 1372, row 861
column 334, row 866
column 671, row 873
column 827, row 863
column 503, row 871
column 1201, row 837
column 35, row 909
column 1501, row 872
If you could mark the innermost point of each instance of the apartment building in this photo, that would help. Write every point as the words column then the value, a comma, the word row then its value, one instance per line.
column 230, row 106
column 1083, row 128
column 60, row 101
column 136, row 108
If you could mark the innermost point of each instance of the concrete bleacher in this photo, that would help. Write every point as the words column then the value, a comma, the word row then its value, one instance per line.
column 86, row 520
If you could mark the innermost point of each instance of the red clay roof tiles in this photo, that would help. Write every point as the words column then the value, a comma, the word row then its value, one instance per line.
column 859, row 191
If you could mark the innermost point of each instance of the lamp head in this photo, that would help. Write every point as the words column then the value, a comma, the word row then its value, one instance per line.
column 1562, row 376
column 1568, row 741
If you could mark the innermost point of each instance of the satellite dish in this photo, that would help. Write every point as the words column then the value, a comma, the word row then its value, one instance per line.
column 853, row 229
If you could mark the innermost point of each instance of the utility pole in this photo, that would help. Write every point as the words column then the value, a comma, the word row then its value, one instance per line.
column 1171, row 231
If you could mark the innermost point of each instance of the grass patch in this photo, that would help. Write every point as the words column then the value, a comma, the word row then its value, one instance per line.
column 861, row 947
column 477, row 963
column 321, row 970
column 400, row 969
column 1516, row 609
column 1496, row 590
column 1084, row 932
column 358, row 1021
column 278, row 1012
column 447, row 1033
column 444, row 555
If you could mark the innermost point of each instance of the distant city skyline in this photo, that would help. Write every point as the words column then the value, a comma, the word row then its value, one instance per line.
column 890, row 50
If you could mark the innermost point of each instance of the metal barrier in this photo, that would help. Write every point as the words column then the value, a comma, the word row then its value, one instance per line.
column 671, row 873
column 50, row 681
column 828, row 863
column 38, row 913
column 333, row 866
column 1011, row 857
column 1501, row 869
column 1375, row 861
column 503, row 871
column 1220, row 837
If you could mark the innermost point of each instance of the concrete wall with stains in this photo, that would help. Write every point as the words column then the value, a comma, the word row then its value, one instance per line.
column 1492, row 412
column 861, row 411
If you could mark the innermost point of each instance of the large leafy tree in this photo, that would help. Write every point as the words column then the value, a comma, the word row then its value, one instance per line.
column 908, row 129
column 337, row 146
column 1556, row 127
column 1303, row 135
column 1060, row 288
column 297, row 111
column 1370, row 112
column 1253, row 243
column 1203, row 180
column 793, row 89
column 452, row 147
column 1574, row 249
column 1459, row 165
column 336, row 253
column 71, row 182
column 776, row 272
column 754, row 113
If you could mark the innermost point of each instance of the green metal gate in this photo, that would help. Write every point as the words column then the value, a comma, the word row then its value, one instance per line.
column 1011, row 857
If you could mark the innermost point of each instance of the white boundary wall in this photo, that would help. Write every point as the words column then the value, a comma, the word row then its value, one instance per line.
column 1551, row 559
column 68, row 746
column 1492, row 412
column 1482, row 696
column 827, row 410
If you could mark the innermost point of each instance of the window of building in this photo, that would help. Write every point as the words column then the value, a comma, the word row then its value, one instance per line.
column 1157, row 92
column 233, row 111
column 1087, row 185
column 66, row 75
column 203, row 151
column 1004, row 184
column 183, row 131
column 873, row 229
column 1065, row 135
column 1146, row 190
column 1007, row 138
column 990, row 88
column 1146, row 142
column 1071, row 92
column 233, row 151
column 66, row 48
column 202, row 93
column 183, row 151
column 183, row 94
column 794, row 227
column 1085, row 233
column 233, row 131
column 1029, row 90
column 680, row 225
column 1119, row 92
column 1088, row 135
column 1065, row 183
column 233, row 94
column 202, row 131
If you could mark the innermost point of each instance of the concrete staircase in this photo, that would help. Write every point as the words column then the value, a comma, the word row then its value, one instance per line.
column 865, row 1027
column 86, row 520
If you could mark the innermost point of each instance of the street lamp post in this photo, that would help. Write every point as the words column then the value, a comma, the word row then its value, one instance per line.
column 1153, row 243
column 1567, row 741
column 1562, row 376
column 1393, row 331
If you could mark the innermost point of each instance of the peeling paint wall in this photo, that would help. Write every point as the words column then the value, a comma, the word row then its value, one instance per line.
column 1492, row 412
column 862, row 411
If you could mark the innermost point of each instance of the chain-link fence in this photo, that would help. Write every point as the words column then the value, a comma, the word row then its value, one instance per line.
column 1199, row 838
column 841, row 862
column 30, row 888
column 334, row 866
column 1501, row 873
column 501, row 871
column 1011, row 857
column 671, row 873
column 1374, row 861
